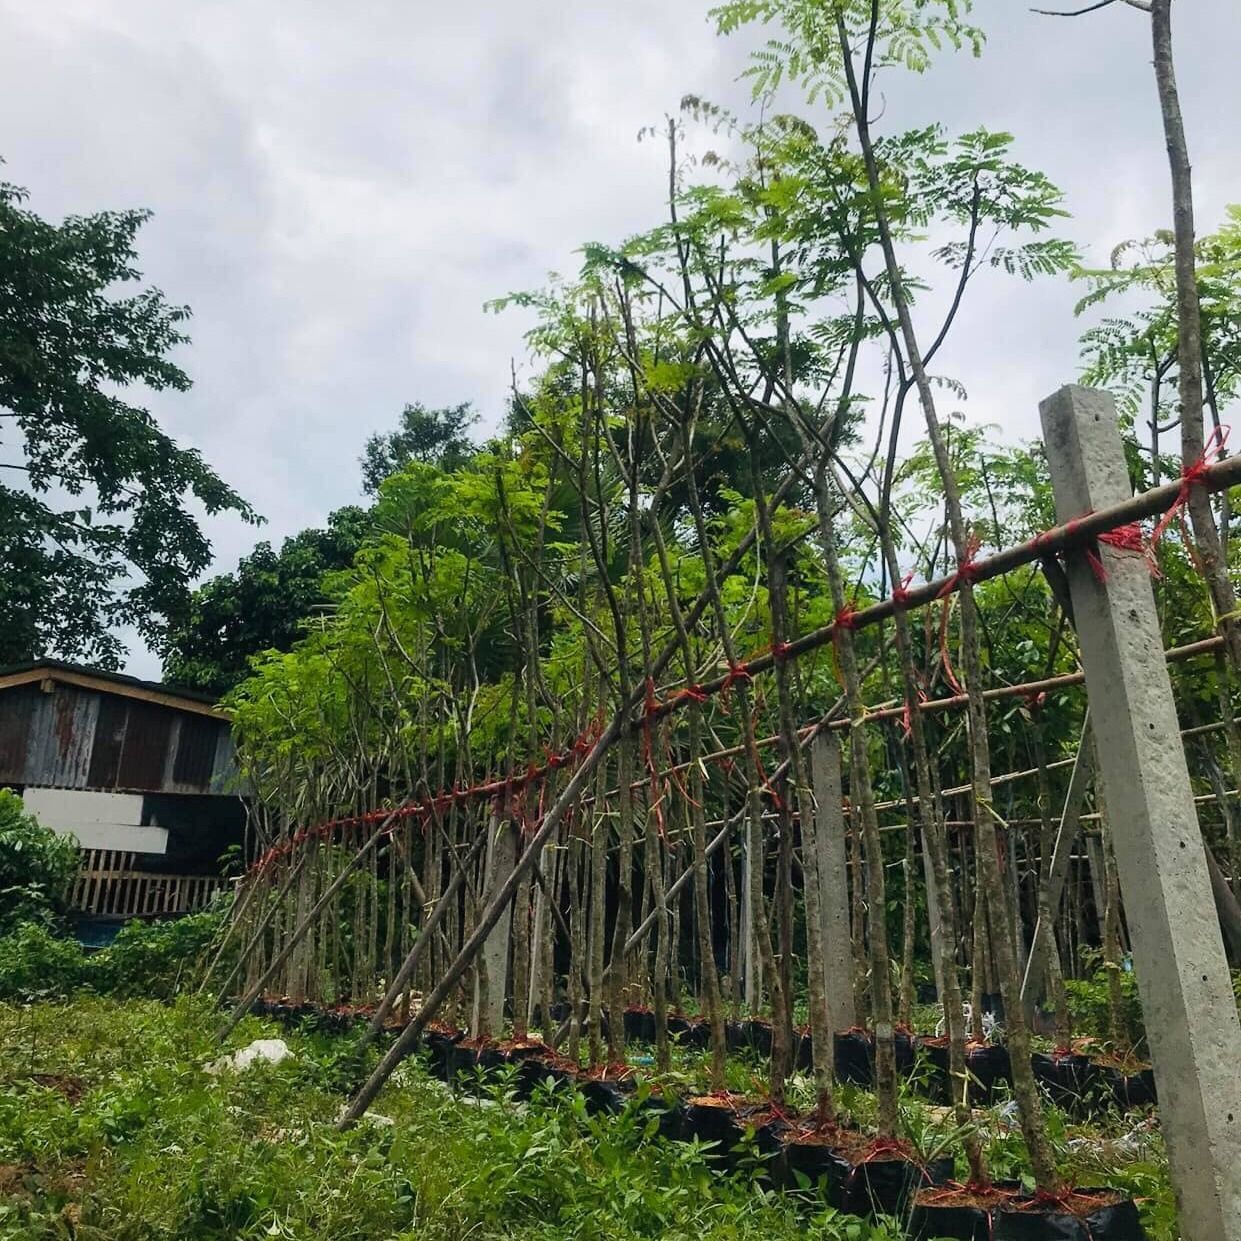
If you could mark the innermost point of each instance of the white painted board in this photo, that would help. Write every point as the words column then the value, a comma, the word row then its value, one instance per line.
column 98, row 820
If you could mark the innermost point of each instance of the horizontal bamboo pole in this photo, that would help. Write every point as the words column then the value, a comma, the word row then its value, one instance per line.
column 1074, row 534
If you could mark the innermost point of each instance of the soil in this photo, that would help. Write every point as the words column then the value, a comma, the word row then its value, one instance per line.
column 524, row 1044
column 73, row 1088
column 859, row 1148
column 24, row 1180
column 1076, row 1202
column 824, row 1135
column 1108, row 1058
column 723, row 1102
column 984, row 1198
column 608, row 1073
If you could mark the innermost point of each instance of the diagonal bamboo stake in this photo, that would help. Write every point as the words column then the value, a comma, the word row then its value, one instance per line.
column 487, row 919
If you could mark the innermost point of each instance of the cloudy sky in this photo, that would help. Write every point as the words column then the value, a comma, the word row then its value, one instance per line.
column 338, row 188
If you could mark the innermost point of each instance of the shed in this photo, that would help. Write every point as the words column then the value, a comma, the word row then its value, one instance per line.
column 143, row 774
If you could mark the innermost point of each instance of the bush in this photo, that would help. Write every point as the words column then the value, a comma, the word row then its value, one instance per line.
column 151, row 960
column 1088, row 1002
column 37, row 867
column 34, row 963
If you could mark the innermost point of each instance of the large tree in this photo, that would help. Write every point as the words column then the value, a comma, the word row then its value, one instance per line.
column 428, row 436
column 266, row 604
column 96, row 528
column 262, row 606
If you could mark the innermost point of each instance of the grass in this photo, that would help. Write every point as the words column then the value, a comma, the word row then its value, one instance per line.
column 110, row 1128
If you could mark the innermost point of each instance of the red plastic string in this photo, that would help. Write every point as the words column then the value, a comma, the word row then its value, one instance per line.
column 845, row 619
column 736, row 672
column 945, row 658
column 1126, row 538
column 780, row 651
column 1190, row 475
column 907, row 714
column 900, row 593
column 967, row 569
column 691, row 693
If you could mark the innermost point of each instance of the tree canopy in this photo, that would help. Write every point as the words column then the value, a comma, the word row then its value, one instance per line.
column 97, row 528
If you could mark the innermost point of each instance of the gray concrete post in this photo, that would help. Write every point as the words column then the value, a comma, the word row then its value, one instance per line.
column 1187, row 1000
column 501, row 858
column 832, row 864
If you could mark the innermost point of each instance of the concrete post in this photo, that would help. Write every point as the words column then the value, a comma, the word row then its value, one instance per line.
column 832, row 864
column 501, row 858
column 1187, row 1000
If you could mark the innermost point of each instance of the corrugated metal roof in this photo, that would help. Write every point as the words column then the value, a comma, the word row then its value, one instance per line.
column 33, row 671
column 62, row 733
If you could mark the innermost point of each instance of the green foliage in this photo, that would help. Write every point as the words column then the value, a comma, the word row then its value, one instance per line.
column 154, row 960
column 429, row 436
column 37, row 866
column 34, row 962
column 906, row 35
column 1134, row 354
column 263, row 605
column 156, row 1148
column 273, row 597
column 150, row 960
column 1088, row 1003
column 101, row 531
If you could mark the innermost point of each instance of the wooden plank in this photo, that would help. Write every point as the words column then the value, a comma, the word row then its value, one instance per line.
column 105, row 685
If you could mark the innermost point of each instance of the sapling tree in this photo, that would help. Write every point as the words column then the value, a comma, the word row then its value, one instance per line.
column 836, row 51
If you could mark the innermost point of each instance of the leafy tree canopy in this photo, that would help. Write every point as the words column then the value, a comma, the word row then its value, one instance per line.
column 265, row 604
column 96, row 528
column 430, row 436
column 261, row 606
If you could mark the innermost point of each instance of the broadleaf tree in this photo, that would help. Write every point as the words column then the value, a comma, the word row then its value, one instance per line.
column 97, row 528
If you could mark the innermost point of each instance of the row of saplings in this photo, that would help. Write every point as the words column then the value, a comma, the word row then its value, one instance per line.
column 857, row 1173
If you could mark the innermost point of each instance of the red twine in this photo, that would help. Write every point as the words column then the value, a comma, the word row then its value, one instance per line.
column 1190, row 475
column 967, row 569
column 900, row 592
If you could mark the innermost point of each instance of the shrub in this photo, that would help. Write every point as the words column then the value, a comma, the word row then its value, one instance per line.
column 34, row 963
column 1088, row 1002
column 151, row 960
column 154, row 960
column 37, row 867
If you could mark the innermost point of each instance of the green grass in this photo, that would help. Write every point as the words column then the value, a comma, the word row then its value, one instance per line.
column 129, row 1139
column 154, row 1147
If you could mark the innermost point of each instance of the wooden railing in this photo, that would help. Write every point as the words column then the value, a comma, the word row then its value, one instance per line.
column 108, row 886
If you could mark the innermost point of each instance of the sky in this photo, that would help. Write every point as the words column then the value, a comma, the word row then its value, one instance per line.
column 338, row 189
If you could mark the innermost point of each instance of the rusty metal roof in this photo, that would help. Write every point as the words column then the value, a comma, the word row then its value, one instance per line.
column 65, row 726
column 110, row 683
